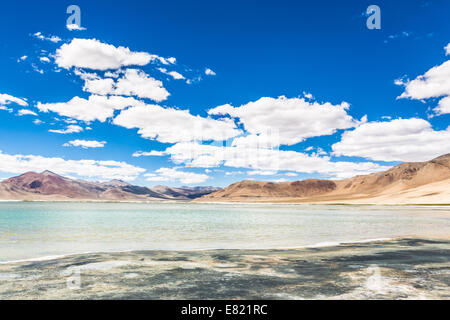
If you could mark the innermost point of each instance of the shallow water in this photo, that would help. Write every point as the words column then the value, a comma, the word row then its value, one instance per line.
column 395, row 269
column 39, row 229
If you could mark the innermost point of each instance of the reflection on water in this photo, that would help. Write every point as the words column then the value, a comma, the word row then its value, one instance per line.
column 31, row 230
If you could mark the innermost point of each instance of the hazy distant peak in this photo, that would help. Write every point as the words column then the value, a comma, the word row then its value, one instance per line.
column 116, row 183
column 49, row 173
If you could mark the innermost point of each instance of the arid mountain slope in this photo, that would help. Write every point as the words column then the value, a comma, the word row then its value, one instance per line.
column 50, row 186
column 381, row 186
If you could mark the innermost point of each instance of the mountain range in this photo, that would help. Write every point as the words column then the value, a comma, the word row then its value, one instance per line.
column 51, row 186
column 407, row 183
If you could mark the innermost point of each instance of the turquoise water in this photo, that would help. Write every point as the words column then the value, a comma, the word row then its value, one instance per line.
column 40, row 229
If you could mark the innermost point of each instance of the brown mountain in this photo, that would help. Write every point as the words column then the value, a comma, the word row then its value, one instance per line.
column 412, row 182
column 51, row 186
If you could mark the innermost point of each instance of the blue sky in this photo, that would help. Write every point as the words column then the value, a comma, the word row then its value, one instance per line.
column 294, row 89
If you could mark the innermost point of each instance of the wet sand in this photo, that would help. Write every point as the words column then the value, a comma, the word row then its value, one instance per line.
column 394, row 269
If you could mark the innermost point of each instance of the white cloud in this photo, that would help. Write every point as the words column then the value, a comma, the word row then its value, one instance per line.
column 44, row 59
column 92, row 169
column 69, row 129
column 94, row 108
column 397, row 140
column 22, row 58
column 173, row 174
column 291, row 174
column 209, row 72
column 85, row 143
column 268, row 140
column 173, row 74
column 6, row 99
column 173, row 125
column 171, row 60
column 148, row 154
column 292, row 120
column 204, row 156
column 37, row 121
column 435, row 83
column 92, row 75
column 74, row 27
column 99, row 86
column 93, row 54
column 138, row 83
column 444, row 106
column 162, row 60
column 308, row 95
column 115, row 74
column 23, row 112
column 37, row 69
column 447, row 49
column 5, row 108
column 133, row 83
column 261, row 173
column 54, row 39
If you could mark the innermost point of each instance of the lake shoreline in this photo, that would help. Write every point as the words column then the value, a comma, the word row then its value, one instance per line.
column 406, row 268
column 231, row 202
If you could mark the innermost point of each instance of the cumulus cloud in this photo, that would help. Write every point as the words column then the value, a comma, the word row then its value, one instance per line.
column 443, row 106
column 96, row 55
column 435, row 83
column 133, row 83
column 138, row 83
column 267, row 140
column 94, row 108
column 173, row 174
column 93, row 169
column 198, row 155
column 172, row 125
column 6, row 99
column 397, row 140
column 99, row 86
column 293, row 120
column 69, row 129
column 85, row 143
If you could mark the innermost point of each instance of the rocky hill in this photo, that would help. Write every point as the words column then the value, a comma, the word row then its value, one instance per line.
column 51, row 186
column 412, row 182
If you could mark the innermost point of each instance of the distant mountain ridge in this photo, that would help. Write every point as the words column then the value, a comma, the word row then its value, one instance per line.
column 48, row 185
column 410, row 182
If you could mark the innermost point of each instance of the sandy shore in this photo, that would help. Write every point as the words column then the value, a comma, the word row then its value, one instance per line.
column 394, row 269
